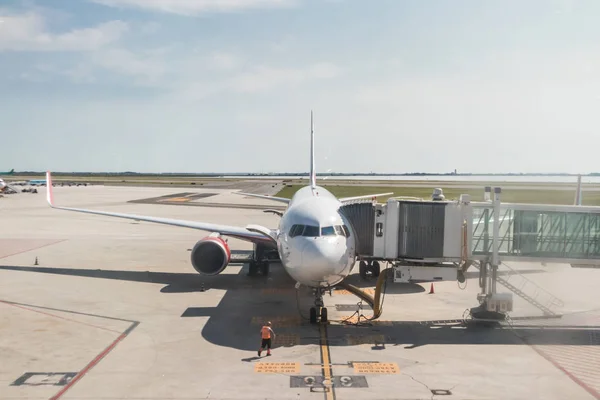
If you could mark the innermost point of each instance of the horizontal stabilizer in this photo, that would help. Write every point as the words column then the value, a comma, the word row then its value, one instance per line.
column 277, row 212
column 366, row 196
column 264, row 196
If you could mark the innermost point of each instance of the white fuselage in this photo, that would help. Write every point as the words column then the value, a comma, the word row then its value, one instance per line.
column 316, row 243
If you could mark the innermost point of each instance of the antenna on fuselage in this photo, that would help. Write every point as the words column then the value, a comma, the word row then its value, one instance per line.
column 313, row 172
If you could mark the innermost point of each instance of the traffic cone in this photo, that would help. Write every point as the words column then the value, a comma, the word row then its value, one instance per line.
column 431, row 291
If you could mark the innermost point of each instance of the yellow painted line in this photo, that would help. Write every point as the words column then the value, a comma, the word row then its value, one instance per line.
column 376, row 368
column 277, row 368
column 326, row 359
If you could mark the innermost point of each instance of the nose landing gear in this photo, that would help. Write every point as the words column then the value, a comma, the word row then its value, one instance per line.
column 318, row 310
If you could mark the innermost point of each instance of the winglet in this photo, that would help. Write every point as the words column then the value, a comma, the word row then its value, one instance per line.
column 49, row 195
column 313, row 172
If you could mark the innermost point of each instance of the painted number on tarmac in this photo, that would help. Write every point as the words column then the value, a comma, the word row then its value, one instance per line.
column 277, row 368
column 318, row 381
column 376, row 368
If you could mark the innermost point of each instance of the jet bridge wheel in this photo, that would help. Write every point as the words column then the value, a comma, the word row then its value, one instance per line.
column 362, row 269
column 371, row 267
column 375, row 268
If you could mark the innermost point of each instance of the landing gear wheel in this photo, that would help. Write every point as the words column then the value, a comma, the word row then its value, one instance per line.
column 252, row 269
column 362, row 269
column 375, row 268
column 323, row 314
column 265, row 268
column 313, row 315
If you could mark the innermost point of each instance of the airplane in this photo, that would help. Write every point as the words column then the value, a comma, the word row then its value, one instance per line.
column 315, row 242
column 3, row 185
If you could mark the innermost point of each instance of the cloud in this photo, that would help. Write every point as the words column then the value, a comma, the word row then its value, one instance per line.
column 196, row 7
column 224, row 61
column 27, row 32
column 263, row 77
column 197, row 87
column 148, row 68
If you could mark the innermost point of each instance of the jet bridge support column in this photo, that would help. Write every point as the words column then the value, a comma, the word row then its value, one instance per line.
column 488, row 273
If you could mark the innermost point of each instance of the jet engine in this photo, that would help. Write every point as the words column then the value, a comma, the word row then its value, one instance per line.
column 210, row 255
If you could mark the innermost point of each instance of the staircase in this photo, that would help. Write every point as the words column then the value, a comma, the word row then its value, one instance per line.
column 521, row 286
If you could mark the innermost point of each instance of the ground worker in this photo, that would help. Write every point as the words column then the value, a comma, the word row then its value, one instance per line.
column 266, row 332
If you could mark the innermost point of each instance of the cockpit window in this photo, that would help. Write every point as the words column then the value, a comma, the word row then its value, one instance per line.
column 328, row 231
column 346, row 231
column 312, row 231
column 296, row 230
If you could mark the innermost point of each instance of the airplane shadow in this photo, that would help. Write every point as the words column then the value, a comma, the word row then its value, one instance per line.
column 392, row 288
column 249, row 302
column 474, row 274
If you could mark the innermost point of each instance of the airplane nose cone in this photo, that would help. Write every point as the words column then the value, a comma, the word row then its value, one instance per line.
column 326, row 258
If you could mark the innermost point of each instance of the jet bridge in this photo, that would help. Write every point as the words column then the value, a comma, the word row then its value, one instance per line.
column 431, row 240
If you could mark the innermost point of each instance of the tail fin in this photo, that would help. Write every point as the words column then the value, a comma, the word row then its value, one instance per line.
column 49, row 195
column 313, row 172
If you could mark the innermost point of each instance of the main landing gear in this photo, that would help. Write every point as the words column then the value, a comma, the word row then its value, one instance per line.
column 258, row 268
column 261, row 260
column 369, row 267
column 318, row 310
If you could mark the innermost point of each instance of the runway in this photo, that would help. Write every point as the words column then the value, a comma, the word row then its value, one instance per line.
column 93, row 307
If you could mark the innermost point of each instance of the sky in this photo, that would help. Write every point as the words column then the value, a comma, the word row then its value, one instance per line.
column 228, row 85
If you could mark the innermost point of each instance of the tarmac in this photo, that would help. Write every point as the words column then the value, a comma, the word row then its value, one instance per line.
column 93, row 307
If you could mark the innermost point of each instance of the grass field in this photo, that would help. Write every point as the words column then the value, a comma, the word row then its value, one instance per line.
column 512, row 192
column 539, row 196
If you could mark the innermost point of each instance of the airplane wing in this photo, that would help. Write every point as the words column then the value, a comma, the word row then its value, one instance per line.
column 226, row 230
column 366, row 196
column 262, row 196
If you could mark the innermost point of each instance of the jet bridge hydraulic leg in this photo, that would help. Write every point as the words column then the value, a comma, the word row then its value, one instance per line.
column 490, row 301
column 492, row 305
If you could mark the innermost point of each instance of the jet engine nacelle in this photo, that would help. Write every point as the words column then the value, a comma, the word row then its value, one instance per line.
column 210, row 255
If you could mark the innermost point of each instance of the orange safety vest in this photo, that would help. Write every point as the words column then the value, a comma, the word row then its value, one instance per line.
column 265, row 332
